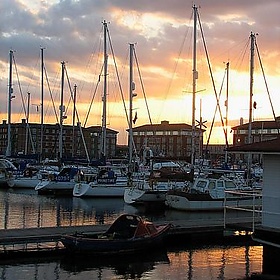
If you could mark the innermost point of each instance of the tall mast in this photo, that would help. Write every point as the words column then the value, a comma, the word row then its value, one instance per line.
column 27, row 124
column 195, row 77
column 10, row 96
column 252, row 66
column 73, row 124
column 104, row 99
column 131, row 89
column 226, row 103
column 42, row 102
column 61, row 109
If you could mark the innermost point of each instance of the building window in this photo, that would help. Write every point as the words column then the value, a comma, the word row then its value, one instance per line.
column 243, row 131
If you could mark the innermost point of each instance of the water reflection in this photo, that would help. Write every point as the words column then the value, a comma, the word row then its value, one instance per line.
column 127, row 266
column 220, row 262
column 24, row 209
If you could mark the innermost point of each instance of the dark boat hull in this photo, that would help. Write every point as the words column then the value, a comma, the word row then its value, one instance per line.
column 110, row 246
column 116, row 240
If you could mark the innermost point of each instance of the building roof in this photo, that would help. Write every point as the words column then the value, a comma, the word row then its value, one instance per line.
column 265, row 147
column 96, row 128
column 99, row 128
column 259, row 125
column 164, row 125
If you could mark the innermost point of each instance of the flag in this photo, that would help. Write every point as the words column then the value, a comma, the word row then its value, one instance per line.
column 135, row 118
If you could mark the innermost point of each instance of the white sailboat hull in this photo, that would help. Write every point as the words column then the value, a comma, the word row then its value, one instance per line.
column 180, row 202
column 6, row 182
column 143, row 191
column 99, row 190
column 47, row 186
column 26, row 182
column 134, row 196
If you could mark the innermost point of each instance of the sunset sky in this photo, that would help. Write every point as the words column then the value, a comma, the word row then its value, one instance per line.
column 162, row 30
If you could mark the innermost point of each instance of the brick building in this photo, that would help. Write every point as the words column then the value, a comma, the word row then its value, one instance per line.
column 76, row 148
column 260, row 131
column 168, row 140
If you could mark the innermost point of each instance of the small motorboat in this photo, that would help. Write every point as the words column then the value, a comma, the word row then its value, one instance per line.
column 152, row 190
column 212, row 194
column 128, row 234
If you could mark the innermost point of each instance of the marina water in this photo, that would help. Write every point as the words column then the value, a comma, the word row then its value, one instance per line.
column 186, row 260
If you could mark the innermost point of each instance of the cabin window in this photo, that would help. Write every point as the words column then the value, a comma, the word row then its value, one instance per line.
column 201, row 185
column 230, row 185
column 211, row 186
column 220, row 184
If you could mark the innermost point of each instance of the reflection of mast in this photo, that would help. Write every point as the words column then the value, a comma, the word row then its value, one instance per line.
column 195, row 77
column 104, row 98
column 10, row 96
column 190, row 265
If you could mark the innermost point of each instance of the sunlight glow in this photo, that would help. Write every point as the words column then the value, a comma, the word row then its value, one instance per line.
column 150, row 25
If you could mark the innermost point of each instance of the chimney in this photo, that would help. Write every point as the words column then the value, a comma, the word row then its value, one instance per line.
column 164, row 122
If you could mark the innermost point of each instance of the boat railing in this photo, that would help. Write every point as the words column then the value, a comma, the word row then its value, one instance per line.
column 253, row 204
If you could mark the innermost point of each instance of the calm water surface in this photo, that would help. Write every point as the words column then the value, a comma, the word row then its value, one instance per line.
column 24, row 209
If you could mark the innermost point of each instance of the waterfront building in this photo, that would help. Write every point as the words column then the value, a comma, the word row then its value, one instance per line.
column 168, row 140
column 260, row 131
column 28, row 141
column 216, row 154
column 268, row 233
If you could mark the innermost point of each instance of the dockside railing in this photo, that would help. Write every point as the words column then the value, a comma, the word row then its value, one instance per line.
column 246, row 201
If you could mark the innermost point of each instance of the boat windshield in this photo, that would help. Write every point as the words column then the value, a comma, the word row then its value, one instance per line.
column 201, row 185
column 230, row 185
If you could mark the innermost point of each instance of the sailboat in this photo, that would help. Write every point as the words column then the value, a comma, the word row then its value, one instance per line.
column 110, row 180
column 63, row 182
column 30, row 176
column 6, row 166
column 151, row 189
column 211, row 193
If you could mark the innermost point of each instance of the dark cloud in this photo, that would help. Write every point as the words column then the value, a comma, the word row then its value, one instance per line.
column 71, row 30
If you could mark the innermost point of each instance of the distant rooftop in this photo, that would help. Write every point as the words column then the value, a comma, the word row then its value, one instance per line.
column 265, row 147
column 164, row 125
column 260, row 124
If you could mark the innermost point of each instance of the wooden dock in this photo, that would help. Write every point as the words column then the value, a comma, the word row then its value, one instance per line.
column 26, row 240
